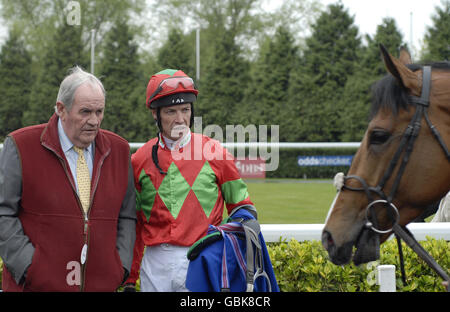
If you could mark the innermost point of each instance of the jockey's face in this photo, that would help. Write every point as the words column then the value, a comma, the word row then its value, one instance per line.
column 175, row 120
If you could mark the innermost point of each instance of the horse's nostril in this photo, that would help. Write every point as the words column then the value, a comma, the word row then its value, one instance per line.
column 327, row 240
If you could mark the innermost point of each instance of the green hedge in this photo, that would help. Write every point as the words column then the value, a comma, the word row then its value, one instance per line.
column 305, row 267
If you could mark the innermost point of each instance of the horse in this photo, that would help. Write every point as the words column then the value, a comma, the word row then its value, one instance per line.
column 402, row 165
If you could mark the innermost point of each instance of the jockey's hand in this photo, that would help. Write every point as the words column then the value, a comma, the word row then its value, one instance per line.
column 252, row 211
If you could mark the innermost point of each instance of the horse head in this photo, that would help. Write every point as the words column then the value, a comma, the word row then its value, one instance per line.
column 402, row 164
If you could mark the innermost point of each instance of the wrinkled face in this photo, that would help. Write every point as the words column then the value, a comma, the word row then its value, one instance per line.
column 175, row 120
column 82, row 122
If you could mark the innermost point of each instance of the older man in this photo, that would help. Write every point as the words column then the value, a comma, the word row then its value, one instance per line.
column 67, row 198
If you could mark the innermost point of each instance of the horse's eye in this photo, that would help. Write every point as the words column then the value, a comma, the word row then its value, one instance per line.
column 379, row 137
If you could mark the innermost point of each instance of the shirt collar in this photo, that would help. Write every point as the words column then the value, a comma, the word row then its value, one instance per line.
column 178, row 144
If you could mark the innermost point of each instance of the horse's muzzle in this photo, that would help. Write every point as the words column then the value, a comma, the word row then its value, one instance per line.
column 367, row 248
column 338, row 255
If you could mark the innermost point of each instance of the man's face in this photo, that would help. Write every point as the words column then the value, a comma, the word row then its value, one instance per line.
column 175, row 120
column 82, row 122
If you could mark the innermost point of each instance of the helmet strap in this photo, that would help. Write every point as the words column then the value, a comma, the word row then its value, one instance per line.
column 158, row 119
column 155, row 156
column 191, row 122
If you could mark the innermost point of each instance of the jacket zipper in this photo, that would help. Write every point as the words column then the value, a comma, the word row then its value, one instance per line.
column 86, row 221
column 85, row 214
column 84, row 250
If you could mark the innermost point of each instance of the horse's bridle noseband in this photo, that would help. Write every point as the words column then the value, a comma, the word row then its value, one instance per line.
column 406, row 145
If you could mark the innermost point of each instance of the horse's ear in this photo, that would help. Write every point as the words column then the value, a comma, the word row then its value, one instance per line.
column 405, row 57
column 398, row 69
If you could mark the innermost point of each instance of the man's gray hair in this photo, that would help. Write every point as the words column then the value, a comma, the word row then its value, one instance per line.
column 71, row 82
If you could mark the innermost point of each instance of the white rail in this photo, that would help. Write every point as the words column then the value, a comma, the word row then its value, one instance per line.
column 305, row 232
column 386, row 278
column 284, row 145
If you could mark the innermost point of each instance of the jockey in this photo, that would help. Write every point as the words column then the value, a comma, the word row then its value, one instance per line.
column 182, row 179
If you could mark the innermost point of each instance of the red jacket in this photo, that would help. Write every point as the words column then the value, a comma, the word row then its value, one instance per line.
column 178, row 207
column 52, row 217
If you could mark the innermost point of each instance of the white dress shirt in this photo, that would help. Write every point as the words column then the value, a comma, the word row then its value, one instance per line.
column 72, row 156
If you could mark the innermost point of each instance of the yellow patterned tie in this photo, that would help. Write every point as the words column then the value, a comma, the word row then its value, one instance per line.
column 83, row 179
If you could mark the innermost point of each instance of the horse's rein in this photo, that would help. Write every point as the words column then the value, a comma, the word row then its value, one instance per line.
column 407, row 143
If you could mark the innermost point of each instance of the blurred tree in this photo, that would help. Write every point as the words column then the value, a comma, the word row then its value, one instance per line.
column 266, row 96
column 296, row 16
column 388, row 35
column 223, row 85
column 15, row 83
column 356, row 96
column 36, row 19
column 330, row 57
column 355, row 105
column 125, row 84
column 214, row 18
column 247, row 20
column 64, row 52
column 177, row 53
column 333, row 47
column 235, row 16
column 437, row 37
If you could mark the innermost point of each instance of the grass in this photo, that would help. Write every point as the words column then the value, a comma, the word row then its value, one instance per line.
column 291, row 201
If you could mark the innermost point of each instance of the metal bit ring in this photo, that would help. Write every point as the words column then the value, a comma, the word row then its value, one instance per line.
column 370, row 224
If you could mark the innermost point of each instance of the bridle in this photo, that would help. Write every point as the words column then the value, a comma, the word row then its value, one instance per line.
column 405, row 147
